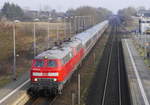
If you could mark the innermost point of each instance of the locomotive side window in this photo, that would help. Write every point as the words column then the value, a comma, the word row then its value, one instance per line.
column 67, row 58
column 39, row 63
column 51, row 63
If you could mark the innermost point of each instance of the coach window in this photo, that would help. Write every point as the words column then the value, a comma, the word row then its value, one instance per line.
column 39, row 63
column 51, row 63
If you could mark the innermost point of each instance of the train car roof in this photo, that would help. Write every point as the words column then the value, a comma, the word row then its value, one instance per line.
column 88, row 34
column 54, row 53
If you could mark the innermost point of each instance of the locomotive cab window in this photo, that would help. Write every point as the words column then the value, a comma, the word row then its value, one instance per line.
column 39, row 63
column 51, row 63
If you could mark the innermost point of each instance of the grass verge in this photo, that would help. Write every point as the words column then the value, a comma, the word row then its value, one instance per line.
column 142, row 53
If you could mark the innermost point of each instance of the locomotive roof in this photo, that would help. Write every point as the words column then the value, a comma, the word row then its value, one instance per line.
column 88, row 34
column 54, row 53
column 72, row 43
column 59, row 52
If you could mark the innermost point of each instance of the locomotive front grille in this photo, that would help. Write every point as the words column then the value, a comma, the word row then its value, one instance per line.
column 45, row 80
column 45, row 83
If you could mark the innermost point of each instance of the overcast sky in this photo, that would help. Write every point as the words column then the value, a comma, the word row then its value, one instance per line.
column 63, row 5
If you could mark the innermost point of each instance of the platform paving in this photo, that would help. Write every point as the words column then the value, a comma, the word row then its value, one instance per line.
column 14, row 89
column 138, row 74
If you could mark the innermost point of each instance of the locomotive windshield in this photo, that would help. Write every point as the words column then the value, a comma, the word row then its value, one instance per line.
column 39, row 63
column 51, row 63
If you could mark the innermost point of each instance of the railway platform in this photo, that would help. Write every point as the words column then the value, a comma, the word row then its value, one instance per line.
column 138, row 74
column 14, row 90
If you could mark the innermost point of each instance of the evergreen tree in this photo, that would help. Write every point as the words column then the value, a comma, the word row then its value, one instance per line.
column 12, row 11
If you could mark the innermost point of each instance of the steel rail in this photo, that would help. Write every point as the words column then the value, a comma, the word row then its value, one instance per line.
column 119, row 77
column 107, row 75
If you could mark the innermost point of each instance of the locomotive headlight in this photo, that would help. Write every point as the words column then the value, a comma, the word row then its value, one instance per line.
column 55, row 79
column 35, row 79
column 53, row 74
column 36, row 74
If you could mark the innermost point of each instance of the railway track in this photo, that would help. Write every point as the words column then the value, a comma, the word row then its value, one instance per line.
column 42, row 101
column 110, row 86
column 116, row 86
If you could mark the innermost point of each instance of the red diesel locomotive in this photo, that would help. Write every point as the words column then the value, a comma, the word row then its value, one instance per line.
column 53, row 68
